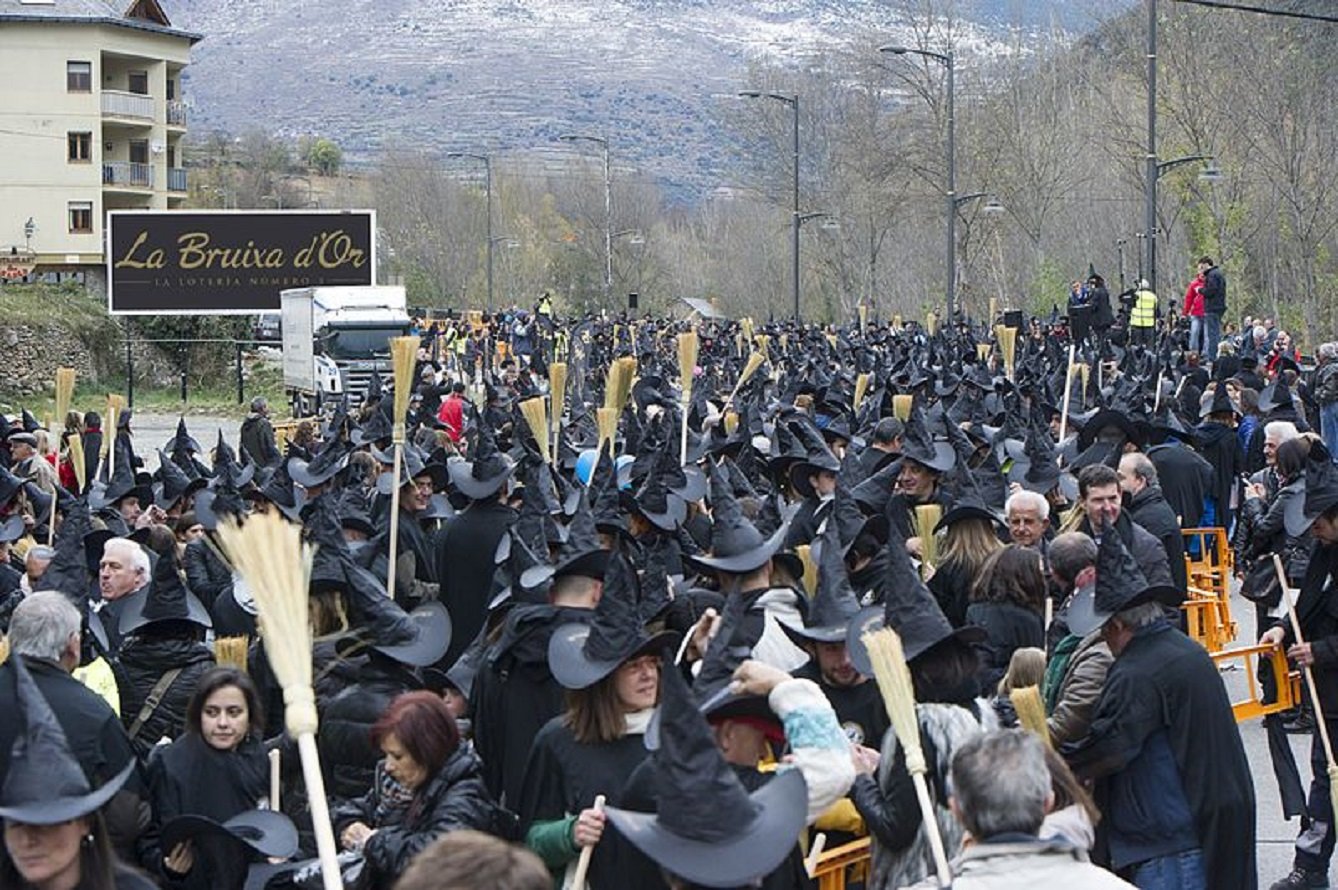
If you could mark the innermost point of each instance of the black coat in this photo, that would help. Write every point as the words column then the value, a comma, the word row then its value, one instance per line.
column 206, row 575
column 1103, row 316
column 951, row 587
column 465, row 551
column 345, row 736
column 1149, row 509
column 257, row 438
column 188, row 777
column 1165, row 682
column 1214, row 292
column 1009, row 627
column 1185, row 479
column 144, row 659
column 92, row 441
column 1147, row 550
column 1221, row 448
column 1262, row 531
column 452, row 800
column 515, row 694
column 1317, row 609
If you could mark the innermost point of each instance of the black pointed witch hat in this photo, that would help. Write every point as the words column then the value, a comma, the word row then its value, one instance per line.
column 484, row 475
column 654, row 501
column 45, row 784
column 737, row 546
column 908, row 608
column 182, row 441
column 1120, row 584
column 68, row 570
column 708, row 829
column 173, row 483
column 829, row 614
column 1321, row 491
column 323, row 466
column 166, row 599
column 919, row 445
column 581, row 654
column 582, row 553
column 226, row 469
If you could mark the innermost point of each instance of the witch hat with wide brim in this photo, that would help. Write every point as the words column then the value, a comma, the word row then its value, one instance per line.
column 582, row 553
column 818, row 459
column 834, row 605
column 45, row 784
column 323, row 466
column 919, row 445
column 182, row 441
column 709, row 830
column 1120, row 584
column 1276, row 395
column 165, row 599
column 173, row 483
column 226, row 469
column 418, row 638
column 268, row 833
column 737, row 547
column 909, row 609
column 581, row 654
column 122, row 483
column 654, row 502
column 484, row 475
column 1321, row 492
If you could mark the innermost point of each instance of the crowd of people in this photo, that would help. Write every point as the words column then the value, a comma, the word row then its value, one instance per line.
column 627, row 643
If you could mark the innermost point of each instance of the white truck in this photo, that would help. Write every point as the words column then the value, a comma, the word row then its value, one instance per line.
column 334, row 338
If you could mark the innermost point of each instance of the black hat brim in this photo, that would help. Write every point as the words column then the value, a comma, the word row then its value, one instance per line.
column 749, row 560
column 132, row 613
column 962, row 512
column 12, row 529
column 873, row 619
column 1083, row 616
column 269, row 833
column 55, row 811
column 941, row 461
column 694, row 488
column 589, row 564
column 801, row 635
column 757, row 849
column 301, row 473
column 462, row 477
column 573, row 670
column 432, row 637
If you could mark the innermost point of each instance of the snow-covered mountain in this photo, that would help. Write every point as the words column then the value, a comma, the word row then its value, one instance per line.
column 510, row 75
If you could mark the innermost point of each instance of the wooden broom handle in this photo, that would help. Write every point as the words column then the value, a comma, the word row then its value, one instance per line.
column 931, row 829
column 1309, row 677
column 274, row 780
column 583, row 864
column 1068, row 395
column 394, row 521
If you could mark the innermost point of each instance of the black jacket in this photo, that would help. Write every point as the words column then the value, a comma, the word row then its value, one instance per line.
column 206, row 575
column 1221, row 448
column 515, row 694
column 1010, row 627
column 1317, row 609
column 465, row 566
column 1149, row 509
column 257, row 438
column 1261, row 532
column 452, row 800
column 1214, row 291
column 1185, row 479
column 951, row 587
column 144, row 659
column 1147, row 550
column 1164, row 682
column 345, row 736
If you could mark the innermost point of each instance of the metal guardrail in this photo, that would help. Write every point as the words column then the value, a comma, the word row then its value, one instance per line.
column 176, row 113
column 238, row 345
column 130, row 175
column 176, row 179
column 118, row 103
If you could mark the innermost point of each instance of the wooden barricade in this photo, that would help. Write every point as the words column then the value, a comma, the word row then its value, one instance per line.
column 1288, row 686
column 848, row 862
column 1207, row 604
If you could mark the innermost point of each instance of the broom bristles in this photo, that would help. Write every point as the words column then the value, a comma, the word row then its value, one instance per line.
column 232, row 651
column 861, row 388
column 688, row 346
column 269, row 554
column 1007, row 345
column 625, row 380
column 557, row 392
column 893, row 676
column 896, row 320
column 1030, row 711
column 535, row 411
column 746, row 325
column 731, row 422
column 863, row 315
column 982, row 351
column 76, row 452
column 810, row 579
column 64, row 392
column 755, row 360
column 4, row 649
column 926, row 518
column 114, row 405
column 606, row 419
column 403, row 356
column 901, row 406
column 931, row 323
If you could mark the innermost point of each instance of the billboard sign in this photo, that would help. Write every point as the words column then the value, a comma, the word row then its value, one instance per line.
column 231, row 262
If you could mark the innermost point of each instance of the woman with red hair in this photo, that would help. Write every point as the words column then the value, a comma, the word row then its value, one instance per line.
column 429, row 784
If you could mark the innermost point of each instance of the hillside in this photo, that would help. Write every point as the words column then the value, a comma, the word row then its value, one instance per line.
column 505, row 75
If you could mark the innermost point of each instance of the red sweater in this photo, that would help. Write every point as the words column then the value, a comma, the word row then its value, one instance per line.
column 1194, row 298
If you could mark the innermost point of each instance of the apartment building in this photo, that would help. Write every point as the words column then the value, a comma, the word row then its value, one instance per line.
column 91, row 120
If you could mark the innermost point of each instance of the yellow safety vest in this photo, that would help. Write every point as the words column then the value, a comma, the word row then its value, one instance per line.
column 1144, row 313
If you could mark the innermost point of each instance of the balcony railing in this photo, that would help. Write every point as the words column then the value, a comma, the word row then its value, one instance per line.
column 129, row 175
column 176, row 179
column 176, row 113
column 116, row 103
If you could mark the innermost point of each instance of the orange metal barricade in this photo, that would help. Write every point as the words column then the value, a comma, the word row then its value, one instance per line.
column 1288, row 685
column 848, row 862
column 1207, row 604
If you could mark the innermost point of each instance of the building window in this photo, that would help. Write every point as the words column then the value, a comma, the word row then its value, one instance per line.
column 171, row 89
column 138, row 82
column 81, row 217
column 81, row 148
column 79, row 77
column 139, row 152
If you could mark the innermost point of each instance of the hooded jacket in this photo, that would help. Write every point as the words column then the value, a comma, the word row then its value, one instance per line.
column 145, row 658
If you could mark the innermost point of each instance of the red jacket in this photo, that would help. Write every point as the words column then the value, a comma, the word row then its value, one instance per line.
column 1194, row 298
column 452, row 416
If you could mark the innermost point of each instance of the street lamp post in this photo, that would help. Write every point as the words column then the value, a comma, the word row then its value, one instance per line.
column 487, row 188
column 796, row 222
column 1151, row 172
column 947, row 60
column 608, row 207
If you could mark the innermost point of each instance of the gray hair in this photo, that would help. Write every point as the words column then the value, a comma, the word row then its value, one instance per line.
column 1141, row 466
column 1281, row 431
column 1027, row 500
column 1328, row 351
column 259, row 403
column 42, row 624
column 1140, row 616
column 1070, row 553
column 135, row 555
column 1001, row 783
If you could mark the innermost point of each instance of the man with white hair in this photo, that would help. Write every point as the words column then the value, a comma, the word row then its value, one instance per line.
column 1276, row 434
column 45, row 633
column 1028, row 515
column 122, row 571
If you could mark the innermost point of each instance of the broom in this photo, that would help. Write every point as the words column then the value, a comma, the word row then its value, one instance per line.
column 863, row 316
column 810, row 579
column 994, row 309
column 931, row 324
column 1310, row 683
column 269, row 554
column 75, row 449
column 64, row 392
column 606, row 420
column 535, row 411
column 983, row 351
column 1031, row 711
column 894, row 682
column 1068, row 395
column 1007, row 346
column 232, row 651
column 557, row 394
column 4, row 649
column 755, row 361
column 926, row 518
column 687, row 367
column 897, row 321
column 583, row 864
column 403, row 356
column 861, row 389
column 901, row 406
column 114, row 405
column 731, row 422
